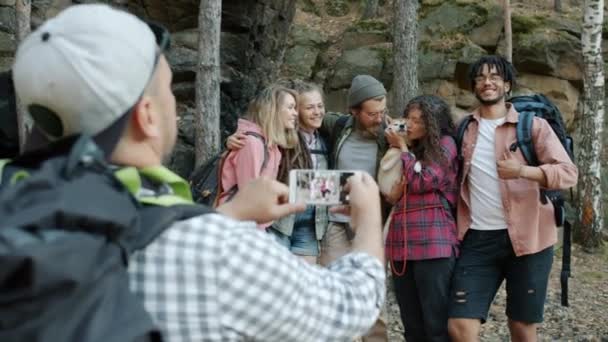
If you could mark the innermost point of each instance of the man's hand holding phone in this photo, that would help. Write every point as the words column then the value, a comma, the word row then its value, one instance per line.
column 365, row 214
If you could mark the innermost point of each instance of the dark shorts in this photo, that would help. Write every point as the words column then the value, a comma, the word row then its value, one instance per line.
column 486, row 259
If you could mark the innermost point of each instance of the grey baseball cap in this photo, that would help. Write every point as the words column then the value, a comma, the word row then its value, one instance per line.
column 83, row 70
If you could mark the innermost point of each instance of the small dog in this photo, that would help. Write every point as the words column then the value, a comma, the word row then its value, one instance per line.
column 391, row 167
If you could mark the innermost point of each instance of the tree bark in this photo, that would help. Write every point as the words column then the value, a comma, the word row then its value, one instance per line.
column 207, row 116
column 23, row 10
column 370, row 10
column 508, row 32
column 405, row 56
column 592, row 123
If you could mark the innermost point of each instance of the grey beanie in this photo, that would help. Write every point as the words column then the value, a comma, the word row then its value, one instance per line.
column 364, row 87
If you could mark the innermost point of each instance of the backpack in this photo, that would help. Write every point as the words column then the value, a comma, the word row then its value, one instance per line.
column 206, row 181
column 9, row 131
column 331, row 139
column 528, row 107
column 66, row 233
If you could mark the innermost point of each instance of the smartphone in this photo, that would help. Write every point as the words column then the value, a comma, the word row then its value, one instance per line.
column 318, row 187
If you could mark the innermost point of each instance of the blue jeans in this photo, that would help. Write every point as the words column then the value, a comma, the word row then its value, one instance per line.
column 301, row 242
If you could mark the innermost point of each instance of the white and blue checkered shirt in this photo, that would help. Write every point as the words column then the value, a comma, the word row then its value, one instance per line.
column 211, row 278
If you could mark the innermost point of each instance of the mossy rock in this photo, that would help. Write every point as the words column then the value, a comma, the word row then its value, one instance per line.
column 309, row 7
column 548, row 52
column 452, row 17
column 369, row 26
column 8, row 45
column 303, row 35
column 363, row 60
column 300, row 60
column 436, row 62
column 337, row 8
column 527, row 24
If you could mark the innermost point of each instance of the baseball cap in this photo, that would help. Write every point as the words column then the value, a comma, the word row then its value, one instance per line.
column 82, row 71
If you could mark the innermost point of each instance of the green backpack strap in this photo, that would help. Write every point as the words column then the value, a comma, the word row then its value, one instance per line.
column 3, row 163
column 16, row 176
column 179, row 193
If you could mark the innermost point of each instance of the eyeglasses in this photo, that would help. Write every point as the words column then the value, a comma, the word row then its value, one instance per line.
column 493, row 79
column 375, row 115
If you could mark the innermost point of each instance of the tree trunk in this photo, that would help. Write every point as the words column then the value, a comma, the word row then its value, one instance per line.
column 557, row 5
column 592, row 123
column 405, row 56
column 370, row 10
column 207, row 116
column 508, row 32
column 23, row 9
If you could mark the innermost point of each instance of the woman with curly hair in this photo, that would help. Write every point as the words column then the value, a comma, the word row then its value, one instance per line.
column 422, row 241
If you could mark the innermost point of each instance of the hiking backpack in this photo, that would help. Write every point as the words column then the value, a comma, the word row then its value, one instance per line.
column 66, row 233
column 9, row 131
column 528, row 107
column 206, row 181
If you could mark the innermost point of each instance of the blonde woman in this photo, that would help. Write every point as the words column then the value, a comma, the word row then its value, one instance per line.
column 301, row 233
column 270, row 124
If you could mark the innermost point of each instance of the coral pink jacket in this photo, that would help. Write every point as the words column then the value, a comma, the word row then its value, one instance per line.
column 530, row 223
column 242, row 166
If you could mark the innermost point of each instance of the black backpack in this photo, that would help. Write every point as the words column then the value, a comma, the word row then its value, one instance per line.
column 9, row 132
column 528, row 107
column 66, row 233
column 206, row 181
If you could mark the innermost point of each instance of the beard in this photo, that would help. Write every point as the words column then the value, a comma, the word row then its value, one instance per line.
column 369, row 131
column 492, row 101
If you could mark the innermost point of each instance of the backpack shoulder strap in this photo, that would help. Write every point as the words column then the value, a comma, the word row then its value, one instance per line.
column 154, row 220
column 523, row 133
column 338, row 127
column 3, row 163
column 462, row 128
column 261, row 137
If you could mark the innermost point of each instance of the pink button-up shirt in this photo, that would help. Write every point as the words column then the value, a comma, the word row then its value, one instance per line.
column 531, row 224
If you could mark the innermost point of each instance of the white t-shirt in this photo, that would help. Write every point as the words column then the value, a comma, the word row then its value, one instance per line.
column 487, row 212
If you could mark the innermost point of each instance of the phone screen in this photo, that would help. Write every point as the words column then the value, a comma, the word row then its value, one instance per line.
column 318, row 187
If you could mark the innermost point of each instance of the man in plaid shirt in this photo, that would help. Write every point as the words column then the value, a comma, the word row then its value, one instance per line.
column 208, row 278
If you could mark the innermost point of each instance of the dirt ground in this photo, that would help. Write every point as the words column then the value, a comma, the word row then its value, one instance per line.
column 586, row 319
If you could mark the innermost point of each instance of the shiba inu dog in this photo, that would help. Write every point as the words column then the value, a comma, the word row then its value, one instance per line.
column 391, row 167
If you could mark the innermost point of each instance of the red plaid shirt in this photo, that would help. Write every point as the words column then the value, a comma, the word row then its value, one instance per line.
column 431, row 229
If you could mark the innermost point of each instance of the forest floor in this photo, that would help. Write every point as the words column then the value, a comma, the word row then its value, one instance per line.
column 584, row 320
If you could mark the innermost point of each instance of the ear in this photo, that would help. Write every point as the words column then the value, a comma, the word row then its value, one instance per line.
column 145, row 121
column 507, row 87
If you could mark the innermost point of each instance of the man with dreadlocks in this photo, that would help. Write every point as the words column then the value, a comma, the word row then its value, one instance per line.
column 506, row 232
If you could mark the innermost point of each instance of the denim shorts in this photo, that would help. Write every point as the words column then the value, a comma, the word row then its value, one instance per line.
column 302, row 241
column 487, row 258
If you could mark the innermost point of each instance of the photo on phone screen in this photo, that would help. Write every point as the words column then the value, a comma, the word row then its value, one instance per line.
column 319, row 187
